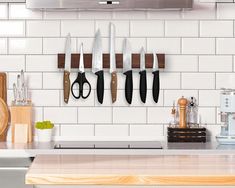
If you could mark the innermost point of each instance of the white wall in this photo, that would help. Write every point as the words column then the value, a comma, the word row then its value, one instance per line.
column 199, row 47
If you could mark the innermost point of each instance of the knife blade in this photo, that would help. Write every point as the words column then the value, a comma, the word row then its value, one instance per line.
column 22, row 77
column 97, row 66
column 127, row 70
column 143, row 78
column 113, row 62
column 67, row 68
column 15, row 93
column 22, row 83
column 156, row 78
column 19, row 89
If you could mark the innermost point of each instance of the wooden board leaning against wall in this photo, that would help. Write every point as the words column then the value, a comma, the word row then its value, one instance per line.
column 4, row 114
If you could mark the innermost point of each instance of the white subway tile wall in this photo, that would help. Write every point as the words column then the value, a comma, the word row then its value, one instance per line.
column 43, row 28
column 3, row 11
column 199, row 47
column 12, row 28
column 3, row 46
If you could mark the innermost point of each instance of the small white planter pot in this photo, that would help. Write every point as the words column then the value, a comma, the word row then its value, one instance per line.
column 44, row 135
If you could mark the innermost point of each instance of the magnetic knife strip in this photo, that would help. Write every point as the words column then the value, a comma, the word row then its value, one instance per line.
column 119, row 60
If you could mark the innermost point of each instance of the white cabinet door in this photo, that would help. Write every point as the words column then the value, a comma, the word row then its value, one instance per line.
column 13, row 178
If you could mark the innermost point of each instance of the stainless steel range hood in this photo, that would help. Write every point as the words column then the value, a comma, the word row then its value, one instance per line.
column 109, row 4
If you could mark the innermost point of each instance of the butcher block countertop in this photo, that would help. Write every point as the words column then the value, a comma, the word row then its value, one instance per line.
column 130, row 170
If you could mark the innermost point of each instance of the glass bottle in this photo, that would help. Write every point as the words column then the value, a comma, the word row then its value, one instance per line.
column 192, row 113
column 173, row 122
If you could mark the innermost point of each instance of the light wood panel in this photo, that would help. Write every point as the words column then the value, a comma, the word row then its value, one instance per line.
column 132, row 170
column 22, row 115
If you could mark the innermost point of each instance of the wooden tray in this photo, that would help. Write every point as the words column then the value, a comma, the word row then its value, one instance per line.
column 186, row 135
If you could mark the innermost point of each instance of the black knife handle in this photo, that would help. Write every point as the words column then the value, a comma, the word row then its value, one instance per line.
column 100, row 86
column 143, row 86
column 156, row 86
column 129, row 86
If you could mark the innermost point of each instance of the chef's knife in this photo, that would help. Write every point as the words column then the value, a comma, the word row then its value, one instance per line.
column 127, row 70
column 113, row 63
column 97, row 66
column 143, row 79
column 156, row 78
column 67, row 69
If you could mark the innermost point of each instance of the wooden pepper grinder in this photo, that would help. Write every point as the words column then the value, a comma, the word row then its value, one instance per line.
column 182, row 105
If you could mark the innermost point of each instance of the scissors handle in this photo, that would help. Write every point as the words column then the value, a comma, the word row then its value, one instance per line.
column 76, row 82
column 81, row 80
column 85, row 81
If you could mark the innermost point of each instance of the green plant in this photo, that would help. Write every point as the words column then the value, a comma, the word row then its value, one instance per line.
column 44, row 125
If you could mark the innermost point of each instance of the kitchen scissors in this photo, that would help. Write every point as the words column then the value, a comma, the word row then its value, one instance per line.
column 81, row 80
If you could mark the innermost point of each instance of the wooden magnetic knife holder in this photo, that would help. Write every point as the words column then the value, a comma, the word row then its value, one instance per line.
column 119, row 61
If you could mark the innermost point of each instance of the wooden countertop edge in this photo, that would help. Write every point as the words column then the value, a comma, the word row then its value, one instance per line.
column 68, row 179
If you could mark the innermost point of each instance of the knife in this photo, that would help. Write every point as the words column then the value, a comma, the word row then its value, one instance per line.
column 67, row 69
column 143, row 79
column 127, row 70
column 22, row 77
column 156, row 78
column 97, row 66
column 19, row 88
column 24, row 100
column 113, row 63
column 15, row 93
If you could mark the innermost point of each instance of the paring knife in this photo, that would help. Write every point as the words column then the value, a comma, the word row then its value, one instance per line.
column 67, row 69
column 143, row 79
column 97, row 66
column 127, row 70
column 113, row 63
column 156, row 78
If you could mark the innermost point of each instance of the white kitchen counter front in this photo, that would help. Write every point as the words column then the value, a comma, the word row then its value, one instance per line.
column 33, row 149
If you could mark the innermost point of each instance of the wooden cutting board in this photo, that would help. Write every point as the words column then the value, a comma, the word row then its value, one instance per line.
column 4, row 116
column 3, row 86
column 3, row 106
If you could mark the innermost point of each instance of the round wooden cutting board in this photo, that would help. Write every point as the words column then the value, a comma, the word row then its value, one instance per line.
column 4, row 116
